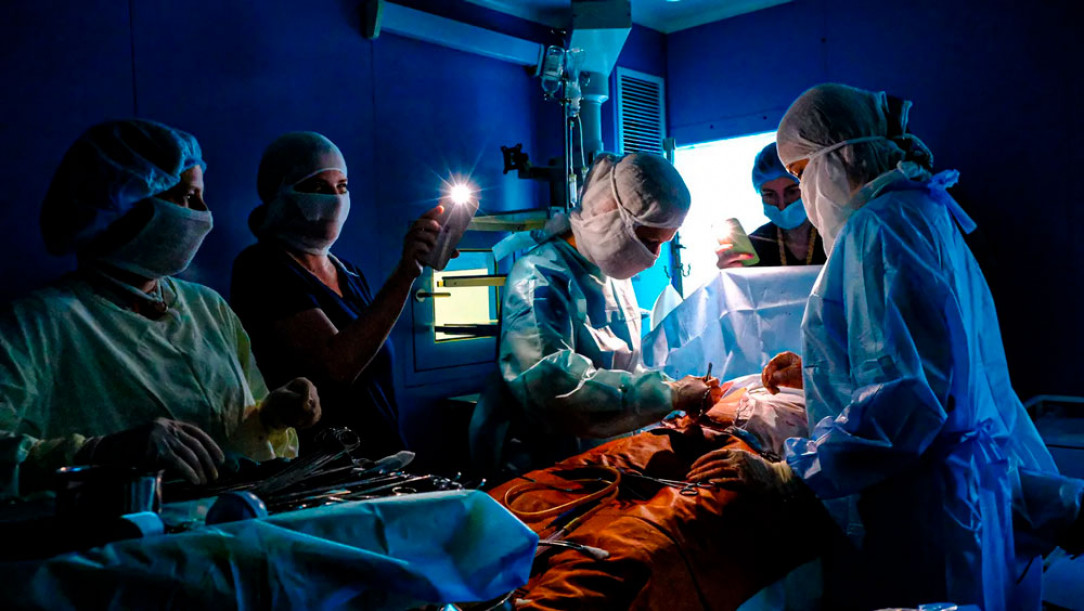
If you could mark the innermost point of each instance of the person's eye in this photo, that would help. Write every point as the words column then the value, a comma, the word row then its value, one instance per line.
column 343, row 189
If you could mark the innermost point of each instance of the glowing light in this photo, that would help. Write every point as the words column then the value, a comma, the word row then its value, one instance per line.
column 460, row 193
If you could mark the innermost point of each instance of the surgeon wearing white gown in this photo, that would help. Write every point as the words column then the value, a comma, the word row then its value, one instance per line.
column 920, row 446
column 570, row 343
column 119, row 363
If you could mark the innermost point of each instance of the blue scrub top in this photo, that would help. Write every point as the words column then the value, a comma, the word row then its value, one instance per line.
column 269, row 286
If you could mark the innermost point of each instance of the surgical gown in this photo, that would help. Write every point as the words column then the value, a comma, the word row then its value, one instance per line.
column 917, row 431
column 570, row 357
column 73, row 364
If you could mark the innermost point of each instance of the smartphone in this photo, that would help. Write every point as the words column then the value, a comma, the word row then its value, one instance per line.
column 453, row 223
column 735, row 234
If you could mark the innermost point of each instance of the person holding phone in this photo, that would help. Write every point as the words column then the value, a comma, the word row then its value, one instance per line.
column 571, row 374
column 788, row 238
column 310, row 311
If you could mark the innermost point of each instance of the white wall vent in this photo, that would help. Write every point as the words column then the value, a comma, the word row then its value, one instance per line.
column 641, row 112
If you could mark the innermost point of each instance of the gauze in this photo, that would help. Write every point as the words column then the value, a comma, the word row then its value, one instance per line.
column 788, row 218
column 166, row 244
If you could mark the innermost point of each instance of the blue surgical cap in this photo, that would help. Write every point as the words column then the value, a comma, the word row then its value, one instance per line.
column 767, row 167
column 106, row 171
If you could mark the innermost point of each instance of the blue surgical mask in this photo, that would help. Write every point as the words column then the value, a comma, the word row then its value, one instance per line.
column 787, row 218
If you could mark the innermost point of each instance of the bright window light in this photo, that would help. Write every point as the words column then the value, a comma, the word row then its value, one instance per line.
column 719, row 176
column 467, row 305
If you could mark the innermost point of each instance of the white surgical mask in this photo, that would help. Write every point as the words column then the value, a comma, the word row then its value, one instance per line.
column 827, row 191
column 609, row 241
column 166, row 245
column 788, row 218
column 299, row 219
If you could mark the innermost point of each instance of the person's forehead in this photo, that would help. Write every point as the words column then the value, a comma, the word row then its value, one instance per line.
column 193, row 176
column 779, row 184
column 331, row 176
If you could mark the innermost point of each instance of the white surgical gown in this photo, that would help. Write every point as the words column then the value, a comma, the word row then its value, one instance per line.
column 913, row 415
column 570, row 355
column 73, row 365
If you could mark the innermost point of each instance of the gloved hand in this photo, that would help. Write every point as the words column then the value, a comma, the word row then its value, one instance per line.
column 296, row 404
column 785, row 369
column 421, row 239
column 180, row 448
column 694, row 395
column 741, row 470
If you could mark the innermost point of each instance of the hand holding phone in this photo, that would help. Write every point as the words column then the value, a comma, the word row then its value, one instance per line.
column 459, row 210
column 736, row 247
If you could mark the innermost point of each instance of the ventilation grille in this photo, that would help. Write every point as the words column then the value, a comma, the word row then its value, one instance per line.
column 640, row 112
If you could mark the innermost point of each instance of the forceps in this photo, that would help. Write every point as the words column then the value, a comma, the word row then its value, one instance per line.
column 685, row 488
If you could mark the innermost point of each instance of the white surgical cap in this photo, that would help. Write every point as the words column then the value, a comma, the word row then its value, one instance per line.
column 831, row 114
column 292, row 158
column 646, row 186
column 106, row 171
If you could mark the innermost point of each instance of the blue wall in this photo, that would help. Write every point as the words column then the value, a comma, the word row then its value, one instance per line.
column 996, row 89
column 404, row 113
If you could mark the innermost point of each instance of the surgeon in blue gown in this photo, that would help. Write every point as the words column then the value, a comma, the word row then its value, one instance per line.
column 920, row 447
column 570, row 365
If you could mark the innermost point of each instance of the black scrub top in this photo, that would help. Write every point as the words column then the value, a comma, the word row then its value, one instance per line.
column 268, row 286
column 766, row 242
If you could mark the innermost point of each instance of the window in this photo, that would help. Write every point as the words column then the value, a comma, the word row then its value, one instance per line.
column 719, row 176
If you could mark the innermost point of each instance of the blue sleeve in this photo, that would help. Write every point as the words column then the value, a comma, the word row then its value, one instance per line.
column 899, row 323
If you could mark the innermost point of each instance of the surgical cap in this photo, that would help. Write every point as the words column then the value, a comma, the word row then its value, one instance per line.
column 829, row 114
column 293, row 157
column 767, row 167
column 646, row 186
column 106, row 171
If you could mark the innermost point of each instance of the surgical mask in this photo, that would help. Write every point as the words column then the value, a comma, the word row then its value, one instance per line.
column 166, row 244
column 299, row 219
column 609, row 241
column 826, row 191
column 788, row 218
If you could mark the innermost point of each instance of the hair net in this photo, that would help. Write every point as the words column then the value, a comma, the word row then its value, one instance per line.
column 106, row 171
column 865, row 130
column 647, row 187
column 293, row 157
column 767, row 167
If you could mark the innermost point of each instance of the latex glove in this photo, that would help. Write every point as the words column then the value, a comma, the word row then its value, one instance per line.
column 728, row 258
column 783, row 370
column 296, row 404
column 694, row 395
column 178, row 447
column 741, row 470
column 419, row 240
